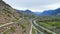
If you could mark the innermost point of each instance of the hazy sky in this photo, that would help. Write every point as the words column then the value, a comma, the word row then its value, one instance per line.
column 34, row 5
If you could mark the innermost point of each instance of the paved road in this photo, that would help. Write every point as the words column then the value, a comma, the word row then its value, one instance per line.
column 43, row 27
column 36, row 28
column 38, row 32
column 31, row 27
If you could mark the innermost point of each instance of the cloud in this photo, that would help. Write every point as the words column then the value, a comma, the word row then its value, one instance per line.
column 34, row 5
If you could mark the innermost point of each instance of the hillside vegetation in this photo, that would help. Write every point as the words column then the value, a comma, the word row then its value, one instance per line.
column 8, row 15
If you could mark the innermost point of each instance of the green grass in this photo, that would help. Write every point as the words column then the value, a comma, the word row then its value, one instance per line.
column 4, row 33
column 50, row 23
column 11, row 29
column 33, row 31
column 24, row 25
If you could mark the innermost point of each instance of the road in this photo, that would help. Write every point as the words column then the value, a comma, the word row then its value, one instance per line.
column 9, row 23
column 32, row 25
column 43, row 27
column 35, row 27
column 38, row 30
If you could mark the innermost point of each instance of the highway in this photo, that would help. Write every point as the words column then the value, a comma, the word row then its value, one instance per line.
column 33, row 25
column 34, row 22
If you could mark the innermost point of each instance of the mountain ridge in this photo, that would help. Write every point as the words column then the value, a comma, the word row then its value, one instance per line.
column 51, row 12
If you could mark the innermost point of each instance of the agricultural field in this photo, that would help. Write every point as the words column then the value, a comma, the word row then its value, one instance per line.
column 51, row 23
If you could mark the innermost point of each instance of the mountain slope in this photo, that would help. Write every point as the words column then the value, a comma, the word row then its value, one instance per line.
column 51, row 12
column 10, row 15
column 26, row 13
column 7, row 13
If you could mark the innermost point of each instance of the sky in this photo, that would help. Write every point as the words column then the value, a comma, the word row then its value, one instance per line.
column 34, row 5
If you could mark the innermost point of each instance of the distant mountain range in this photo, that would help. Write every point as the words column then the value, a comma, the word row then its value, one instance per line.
column 29, row 12
column 55, row 12
column 44, row 13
